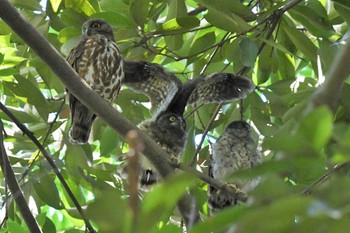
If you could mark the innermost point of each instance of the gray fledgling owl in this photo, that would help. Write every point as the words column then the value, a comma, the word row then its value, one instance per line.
column 169, row 97
column 169, row 131
column 97, row 60
column 234, row 150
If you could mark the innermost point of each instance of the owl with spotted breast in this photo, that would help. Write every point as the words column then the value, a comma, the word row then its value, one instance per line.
column 234, row 150
column 98, row 61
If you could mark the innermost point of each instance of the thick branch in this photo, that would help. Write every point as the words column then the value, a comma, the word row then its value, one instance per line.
column 14, row 187
column 88, row 97
column 328, row 94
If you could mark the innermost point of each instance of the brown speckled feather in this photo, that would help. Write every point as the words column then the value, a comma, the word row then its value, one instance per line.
column 98, row 61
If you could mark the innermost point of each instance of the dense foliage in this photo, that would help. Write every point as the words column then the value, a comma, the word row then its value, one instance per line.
column 286, row 47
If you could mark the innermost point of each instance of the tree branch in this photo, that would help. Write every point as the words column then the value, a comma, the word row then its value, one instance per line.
column 26, row 131
column 90, row 98
column 324, row 178
column 14, row 187
column 329, row 93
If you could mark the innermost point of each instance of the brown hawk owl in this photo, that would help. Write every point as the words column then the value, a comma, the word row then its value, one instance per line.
column 98, row 61
column 169, row 99
column 234, row 150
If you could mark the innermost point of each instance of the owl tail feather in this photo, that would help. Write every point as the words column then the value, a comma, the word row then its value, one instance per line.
column 82, row 119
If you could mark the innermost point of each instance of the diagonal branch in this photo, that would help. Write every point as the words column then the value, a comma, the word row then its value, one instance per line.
column 329, row 93
column 14, row 187
column 90, row 98
column 51, row 162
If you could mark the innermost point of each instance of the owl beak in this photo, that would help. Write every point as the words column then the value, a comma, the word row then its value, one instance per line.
column 85, row 31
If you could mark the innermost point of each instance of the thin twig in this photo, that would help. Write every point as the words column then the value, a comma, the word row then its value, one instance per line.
column 194, row 159
column 30, row 135
column 43, row 143
column 14, row 187
column 324, row 178
column 211, row 181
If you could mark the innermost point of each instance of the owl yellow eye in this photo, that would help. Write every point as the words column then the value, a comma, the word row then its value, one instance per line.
column 172, row 118
column 95, row 25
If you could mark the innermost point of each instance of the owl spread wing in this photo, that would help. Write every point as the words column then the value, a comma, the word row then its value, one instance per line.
column 154, row 81
column 221, row 87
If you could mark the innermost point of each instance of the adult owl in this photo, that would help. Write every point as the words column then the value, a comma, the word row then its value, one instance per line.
column 98, row 61
column 234, row 150
column 169, row 98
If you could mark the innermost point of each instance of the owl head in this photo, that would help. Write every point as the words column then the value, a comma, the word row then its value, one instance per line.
column 169, row 119
column 97, row 26
column 238, row 128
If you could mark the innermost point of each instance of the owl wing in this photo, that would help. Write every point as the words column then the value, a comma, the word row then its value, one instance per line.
column 75, row 55
column 81, row 116
column 221, row 87
column 151, row 79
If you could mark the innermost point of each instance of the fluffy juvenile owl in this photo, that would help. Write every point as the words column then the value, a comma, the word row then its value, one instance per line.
column 234, row 150
column 98, row 61
column 169, row 97
column 169, row 131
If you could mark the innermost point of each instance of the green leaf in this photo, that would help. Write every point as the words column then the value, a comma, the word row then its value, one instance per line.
column 139, row 11
column 1, row 57
column 46, row 189
column 158, row 204
column 286, row 66
column 32, row 5
column 45, row 223
column 316, row 128
column 55, row 4
column 29, row 93
column 15, row 227
column 114, row 19
column 8, row 71
column 219, row 222
column 183, row 23
column 265, row 64
column 177, row 8
column 21, row 115
column 249, row 52
column 343, row 8
column 110, row 212
column 108, row 141
column 203, row 42
column 282, row 211
column 301, row 41
column 227, row 21
column 314, row 22
column 235, row 6
column 328, row 51
column 73, row 18
column 80, row 6
column 227, row 15
column 174, row 42
column 68, row 33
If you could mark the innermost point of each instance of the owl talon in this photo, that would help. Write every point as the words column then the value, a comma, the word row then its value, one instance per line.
column 175, row 160
column 240, row 195
column 233, row 187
